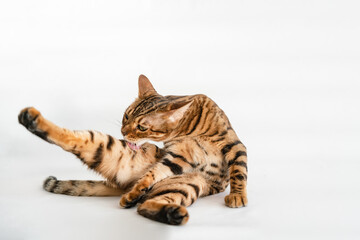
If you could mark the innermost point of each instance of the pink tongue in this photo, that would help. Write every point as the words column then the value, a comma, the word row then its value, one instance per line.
column 133, row 146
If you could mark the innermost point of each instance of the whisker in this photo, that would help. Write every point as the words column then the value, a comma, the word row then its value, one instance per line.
column 117, row 123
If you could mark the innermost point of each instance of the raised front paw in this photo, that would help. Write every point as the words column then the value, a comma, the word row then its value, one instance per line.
column 30, row 118
column 131, row 198
column 235, row 200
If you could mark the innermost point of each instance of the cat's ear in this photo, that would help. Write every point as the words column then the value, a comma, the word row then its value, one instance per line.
column 145, row 87
column 177, row 111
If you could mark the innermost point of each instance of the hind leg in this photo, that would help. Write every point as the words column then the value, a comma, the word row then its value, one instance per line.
column 168, row 199
column 81, row 188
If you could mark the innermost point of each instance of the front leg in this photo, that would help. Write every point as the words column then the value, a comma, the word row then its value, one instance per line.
column 98, row 151
column 236, row 157
column 171, row 164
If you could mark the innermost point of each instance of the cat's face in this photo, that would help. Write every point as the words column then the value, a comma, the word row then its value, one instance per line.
column 151, row 116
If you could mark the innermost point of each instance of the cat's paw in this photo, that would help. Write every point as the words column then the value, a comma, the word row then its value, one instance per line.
column 170, row 213
column 131, row 198
column 176, row 215
column 50, row 184
column 235, row 200
column 28, row 117
column 31, row 118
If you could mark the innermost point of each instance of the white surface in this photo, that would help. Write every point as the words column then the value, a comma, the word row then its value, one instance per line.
column 285, row 72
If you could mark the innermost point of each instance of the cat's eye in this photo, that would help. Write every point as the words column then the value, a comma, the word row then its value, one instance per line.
column 126, row 116
column 141, row 128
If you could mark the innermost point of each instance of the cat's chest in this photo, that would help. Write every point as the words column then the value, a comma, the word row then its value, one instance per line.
column 199, row 153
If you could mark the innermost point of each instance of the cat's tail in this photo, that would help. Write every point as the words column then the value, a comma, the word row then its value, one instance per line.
column 81, row 187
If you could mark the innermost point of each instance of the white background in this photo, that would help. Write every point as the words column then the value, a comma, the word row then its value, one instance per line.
column 285, row 72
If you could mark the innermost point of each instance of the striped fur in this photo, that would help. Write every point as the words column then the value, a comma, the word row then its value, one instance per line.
column 201, row 156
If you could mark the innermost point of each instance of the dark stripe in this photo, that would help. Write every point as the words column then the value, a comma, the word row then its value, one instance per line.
column 175, row 168
column 205, row 121
column 209, row 125
column 91, row 182
column 238, row 163
column 123, row 143
column 196, row 188
column 91, row 136
column 149, row 104
column 72, row 183
column 198, row 144
column 228, row 147
column 174, row 155
column 240, row 177
column 133, row 156
column 157, row 131
column 214, row 165
column 152, row 175
column 110, row 142
column 159, row 152
column 67, row 192
column 223, row 133
column 197, row 121
column 215, row 133
column 138, row 108
column 217, row 189
column 42, row 135
column 114, row 179
column 173, row 97
column 210, row 173
column 218, row 140
column 216, row 182
column 78, row 154
column 185, row 194
column 169, row 199
column 97, row 156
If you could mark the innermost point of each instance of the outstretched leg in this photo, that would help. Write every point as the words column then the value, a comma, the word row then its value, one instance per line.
column 110, row 157
column 167, row 200
column 81, row 188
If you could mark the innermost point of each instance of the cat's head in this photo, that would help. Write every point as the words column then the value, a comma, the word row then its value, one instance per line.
column 152, row 116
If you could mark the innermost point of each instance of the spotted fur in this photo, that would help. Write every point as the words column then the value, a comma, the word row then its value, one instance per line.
column 201, row 156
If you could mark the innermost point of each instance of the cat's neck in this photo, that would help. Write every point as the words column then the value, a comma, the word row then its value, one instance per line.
column 204, row 118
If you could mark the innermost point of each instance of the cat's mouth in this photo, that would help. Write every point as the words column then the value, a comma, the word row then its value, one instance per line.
column 134, row 146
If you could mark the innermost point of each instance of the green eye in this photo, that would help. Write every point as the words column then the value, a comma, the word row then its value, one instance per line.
column 141, row 128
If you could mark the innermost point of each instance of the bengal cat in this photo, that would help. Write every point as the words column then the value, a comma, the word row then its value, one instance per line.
column 201, row 155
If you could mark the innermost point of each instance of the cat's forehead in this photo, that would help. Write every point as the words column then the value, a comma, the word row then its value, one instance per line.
column 143, row 106
column 151, row 104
